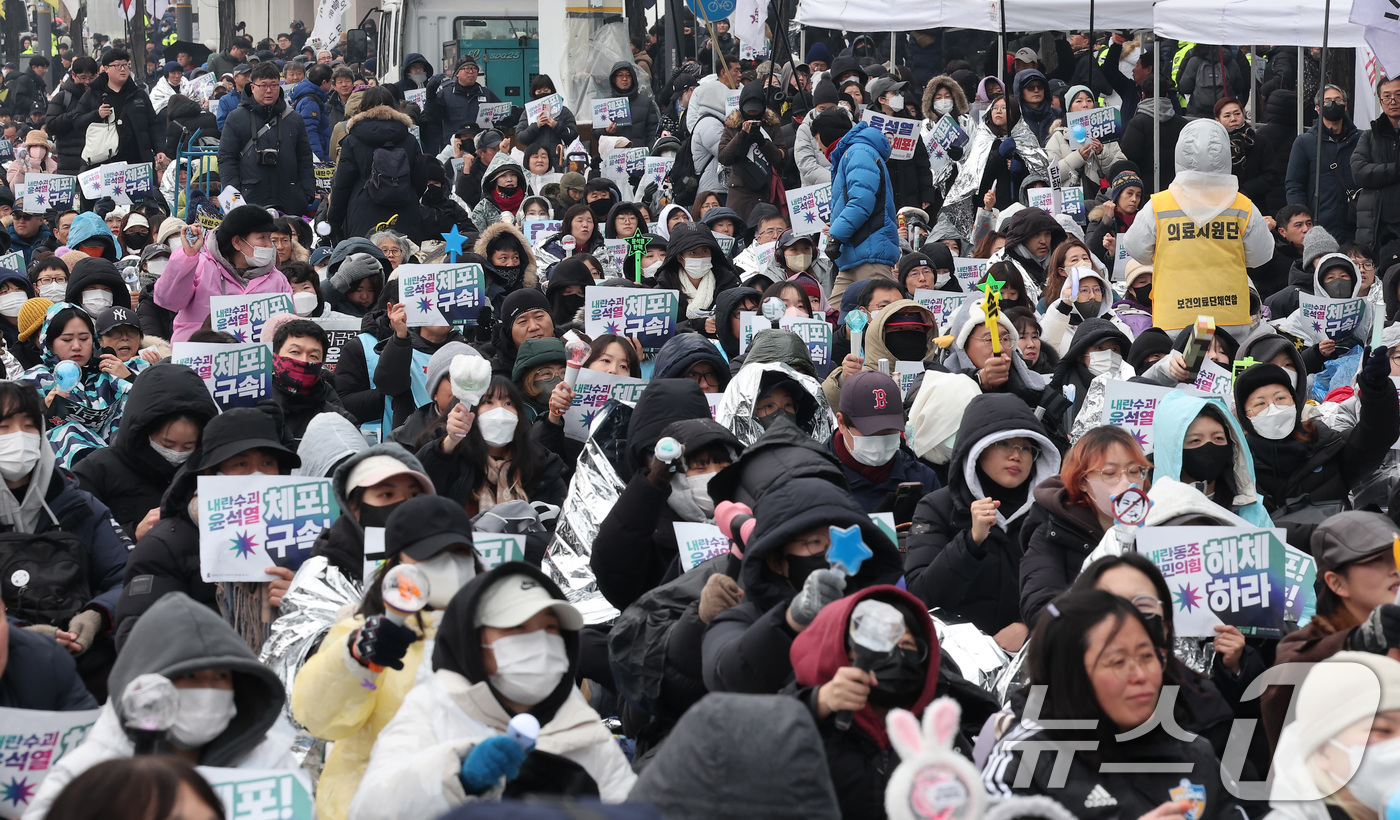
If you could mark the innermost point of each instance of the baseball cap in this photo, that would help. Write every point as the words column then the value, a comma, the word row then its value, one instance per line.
column 515, row 599
column 425, row 525
column 490, row 138
column 789, row 238
column 871, row 402
column 242, row 68
column 1352, row 536
column 1027, row 55
column 320, row 255
column 375, row 469
column 883, row 85
column 114, row 317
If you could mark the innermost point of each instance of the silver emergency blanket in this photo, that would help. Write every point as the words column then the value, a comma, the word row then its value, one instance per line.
column 593, row 491
column 735, row 410
column 318, row 593
column 964, row 195
column 978, row 657
column 1091, row 411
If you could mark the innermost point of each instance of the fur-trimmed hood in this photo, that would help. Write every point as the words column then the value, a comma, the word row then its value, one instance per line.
column 736, row 119
column 1100, row 213
column 960, row 106
column 492, row 233
column 380, row 112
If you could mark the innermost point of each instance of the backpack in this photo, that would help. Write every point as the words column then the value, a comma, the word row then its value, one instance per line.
column 388, row 182
column 1210, row 83
column 43, row 577
column 684, row 177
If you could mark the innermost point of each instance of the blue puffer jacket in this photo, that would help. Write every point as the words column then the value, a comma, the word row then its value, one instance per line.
column 857, row 164
column 310, row 102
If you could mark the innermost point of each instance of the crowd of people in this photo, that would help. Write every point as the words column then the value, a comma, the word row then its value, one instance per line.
column 959, row 390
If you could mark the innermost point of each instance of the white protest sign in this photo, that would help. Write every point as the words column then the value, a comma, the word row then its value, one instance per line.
column 1214, row 379
column 31, row 742
column 1326, row 318
column 969, row 272
column 945, row 135
column 609, row 110
column 496, row 548
column 941, row 303
column 1101, row 124
column 536, row 229
column 903, row 134
column 1120, row 258
column 284, row 794
column 417, row 96
column 591, row 392
column 905, row 373
column 488, row 115
column 250, row 523
column 809, row 208
column 374, row 553
column 237, row 375
column 1068, row 201
column 553, row 105
column 649, row 316
column 731, row 102
column 339, row 332
column 816, row 333
column 750, row 325
column 655, row 170
column 44, row 191
column 698, row 543
column 1132, row 406
column 244, row 315
column 418, row 289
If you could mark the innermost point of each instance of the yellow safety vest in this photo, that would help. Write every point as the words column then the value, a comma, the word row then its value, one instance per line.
column 1199, row 270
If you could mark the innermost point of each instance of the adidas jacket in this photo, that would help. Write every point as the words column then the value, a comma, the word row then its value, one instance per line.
column 1091, row 793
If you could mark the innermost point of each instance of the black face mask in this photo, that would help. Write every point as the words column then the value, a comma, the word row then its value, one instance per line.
column 566, row 308
column 907, row 345
column 1156, row 627
column 773, row 418
column 1339, row 288
column 1333, row 111
column 434, row 194
column 800, row 566
column 1088, row 309
column 600, row 208
column 901, row 676
column 1208, row 462
column 136, row 241
column 1142, row 294
column 377, row 516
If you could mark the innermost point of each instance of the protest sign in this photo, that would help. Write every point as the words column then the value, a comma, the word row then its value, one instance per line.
column 591, row 392
column 1214, row 379
column 648, row 316
column 726, row 243
column 537, row 229
column 905, row 373
column 489, row 114
column 944, row 135
column 731, row 102
column 284, row 794
column 941, row 303
column 1120, row 258
column 1102, row 124
column 496, row 548
column 809, row 208
column 655, row 170
column 1067, row 201
column 7, row 150
column 969, row 272
column 44, row 191
column 119, row 180
column 200, row 88
column 749, row 50
column 1242, row 576
column 324, row 172
column 243, row 316
column 1325, row 318
column 616, row 251
column 553, row 105
column 817, row 335
column 714, row 399
column 698, row 543
column 613, row 166
column 374, row 553
column 903, row 134
column 419, row 97
column 31, row 742
column 1131, row 406
column 229, row 198
column 751, row 324
column 885, row 521
column 609, row 110
column 13, row 261
column 637, row 159
column 237, row 375
column 438, row 295
column 249, row 523
column 339, row 332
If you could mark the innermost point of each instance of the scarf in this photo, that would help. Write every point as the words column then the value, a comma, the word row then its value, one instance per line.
column 1012, row 499
column 508, row 204
column 1159, row 107
column 295, row 376
column 700, row 299
column 498, row 486
column 22, row 515
column 1241, row 141
column 875, row 475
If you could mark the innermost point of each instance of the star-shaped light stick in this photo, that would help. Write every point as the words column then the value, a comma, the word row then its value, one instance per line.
column 455, row 241
column 991, row 306
column 637, row 246
column 847, row 551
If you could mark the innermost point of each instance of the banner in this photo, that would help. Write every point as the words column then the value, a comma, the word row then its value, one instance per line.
column 552, row 104
column 609, row 110
column 809, row 208
column 637, row 159
column 945, row 134
column 496, row 548
column 327, row 29
column 284, row 794
column 489, row 114
column 649, row 316
column 903, row 134
column 698, row 543
column 249, row 523
column 44, row 191
column 1131, row 406
column 1242, row 576
column 537, row 229
column 7, row 150
column 339, row 332
column 1325, row 318
column 438, row 295
column 200, row 88
column 236, row 375
column 817, row 335
column 905, row 373
column 591, row 392
column 243, row 316
column 941, row 303
column 31, row 742
column 1102, row 124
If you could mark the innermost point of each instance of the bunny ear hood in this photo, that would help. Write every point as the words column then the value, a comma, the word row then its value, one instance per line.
column 928, row 765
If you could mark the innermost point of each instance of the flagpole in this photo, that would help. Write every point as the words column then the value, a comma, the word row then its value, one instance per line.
column 1321, row 92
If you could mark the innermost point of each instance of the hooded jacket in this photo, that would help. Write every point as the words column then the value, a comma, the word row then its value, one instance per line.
column 858, row 174
column 287, row 186
column 1055, row 539
column 944, row 566
column 370, row 130
column 746, row 647
column 311, row 103
column 683, row 352
column 750, row 182
column 1038, row 118
column 182, row 636
column 686, row 238
column 90, row 226
column 61, row 124
column 876, row 348
column 330, row 439
column 1176, row 411
column 187, row 118
column 726, row 308
column 1071, row 369
column 343, row 543
column 645, row 115
column 486, row 212
column 1090, row 174
column 1135, row 316
column 494, row 234
column 189, row 281
column 1022, row 382
column 705, row 119
column 130, row 476
column 90, row 272
column 40, row 674
column 413, row 770
column 1063, row 320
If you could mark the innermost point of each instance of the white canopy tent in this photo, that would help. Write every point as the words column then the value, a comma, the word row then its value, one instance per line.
column 1021, row 15
column 1275, row 22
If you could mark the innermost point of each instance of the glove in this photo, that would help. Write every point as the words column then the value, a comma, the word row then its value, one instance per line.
column 821, row 588
column 1016, row 166
column 1007, row 147
column 434, row 83
column 380, row 642
column 720, row 593
column 489, row 761
column 955, row 152
column 47, row 631
column 1380, row 632
column 1375, row 374
column 833, row 248
column 85, row 626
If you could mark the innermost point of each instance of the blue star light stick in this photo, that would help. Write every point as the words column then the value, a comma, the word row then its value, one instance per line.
column 455, row 242
column 847, row 551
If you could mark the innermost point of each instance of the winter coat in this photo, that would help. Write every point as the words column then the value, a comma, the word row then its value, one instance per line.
column 362, row 393
column 903, row 467
column 414, row 766
column 645, row 115
column 746, row 647
column 62, row 125
column 340, row 701
column 858, row 174
column 1323, row 637
column 290, row 185
column 944, row 567
column 684, row 351
column 1055, row 539
column 457, row 106
column 1201, row 78
column 456, row 478
column 688, row 237
column 486, row 211
column 812, row 163
column 28, row 91
column 351, row 208
column 1137, row 140
column 1256, row 172
column 186, row 118
column 1375, row 168
column 705, row 118
column 130, row 476
column 138, row 126
column 162, row 91
column 1039, row 119
column 1074, row 169
column 735, row 149
column 166, row 560
column 563, row 132
column 298, row 410
column 189, row 281
column 1273, row 276
column 1333, row 211
column 21, row 165
column 1280, row 129
column 40, row 674
column 182, row 636
column 342, row 544
column 311, row 103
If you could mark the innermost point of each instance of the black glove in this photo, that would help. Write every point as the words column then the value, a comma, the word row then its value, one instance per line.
column 381, row 642
column 1375, row 374
column 434, row 83
column 833, row 248
column 485, row 323
column 955, row 153
column 1380, row 632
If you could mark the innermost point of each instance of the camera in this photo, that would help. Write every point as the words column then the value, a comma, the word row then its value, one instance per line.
column 267, row 156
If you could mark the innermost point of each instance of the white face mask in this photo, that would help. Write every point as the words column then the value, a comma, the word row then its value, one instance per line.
column 303, row 302
column 156, row 266
column 19, row 452
column 175, row 457
column 1376, row 775
column 649, row 271
column 1274, row 422
column 53, row 291
column 699, row 491
column 261, row 257
column 529, row 666
column 798, row 261
column 896, row 102
column 204, row 715
column 1104, row 361
column 446, row 572
column 696, row 268
column 943, row 106
column 10, row 303
column 874, row 451
column 96, row 301
column 497, row 426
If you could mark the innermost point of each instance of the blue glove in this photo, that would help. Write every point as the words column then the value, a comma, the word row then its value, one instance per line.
column 1007, row 147
column 1375, row 374
column 489, row 761
column 1016, row 166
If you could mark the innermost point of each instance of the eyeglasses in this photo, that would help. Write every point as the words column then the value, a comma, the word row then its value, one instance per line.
column 1121, row 666
column 1135, row 472
column 986, row 338
column 1365, row 266
column 120, row 66
column 394, row 252
column 1147, row 603
column 1390, row 97
column 266, row 86
column 703, row 376
column 53, row 280
column 770, row 233
column 1011, row 448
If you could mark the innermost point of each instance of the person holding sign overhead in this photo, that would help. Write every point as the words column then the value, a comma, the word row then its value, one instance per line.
column 545, row 128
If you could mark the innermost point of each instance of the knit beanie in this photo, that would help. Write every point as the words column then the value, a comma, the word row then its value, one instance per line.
column 31, row 317
column 535, row 352
column 825, row 92
column 1151, row 341
column 1255, row 377
column 1122, row 182
column 441, row 362
column 1345, row 688
column 269, row 328
column 1316, row 243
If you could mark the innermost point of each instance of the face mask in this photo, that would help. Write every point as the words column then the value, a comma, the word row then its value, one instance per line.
column 295, row 376
column 10, row 303
column 136, row 241
column 1354, row 754
column 800, row 566
column 529, row 666
column 1333, row 111
column 1339, row 288
column 546, row 386
column 434, row 194
column 773, row 418
column 1104, row 361
column 1207, row 462
column 304, row 302
column 37, row 152
column 798, row 261
column 1275, row 422
column 174, row 457
column 1142, row 294
column 1376, row 775
column 204, row 715
column 901, row 675
column 418, row 77
column 19, row 452
column 874, row 451
column 53, row 291
column 942, row 452
column 600, row 208
column 907, row 345
column 896, row 102
column 1088, row 310
column 96, row 301
column 696, row 268
column 261, row 257
column 446, row 572
column 650, row 271
column 699, row 491
column 943, row 106
column 156, row 266
column 372, row 516
column 497, row 427
column 507, row 192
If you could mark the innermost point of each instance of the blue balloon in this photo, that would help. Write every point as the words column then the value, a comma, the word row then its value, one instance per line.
column 67, row 375
column 1077, row 131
